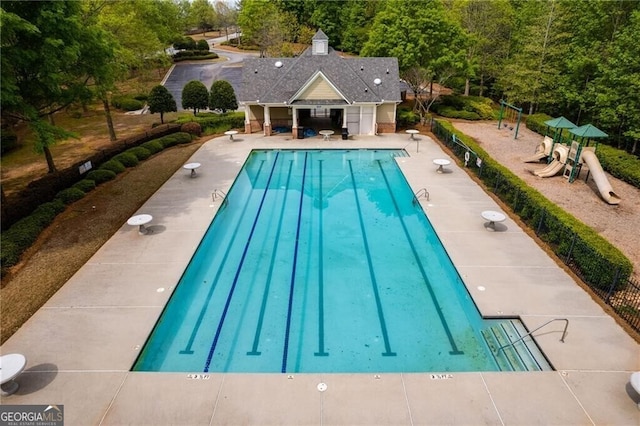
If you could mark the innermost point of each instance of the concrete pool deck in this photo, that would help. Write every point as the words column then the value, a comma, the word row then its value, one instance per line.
column 82, row 343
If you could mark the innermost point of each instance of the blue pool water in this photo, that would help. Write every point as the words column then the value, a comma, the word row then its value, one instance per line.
column 319, row 261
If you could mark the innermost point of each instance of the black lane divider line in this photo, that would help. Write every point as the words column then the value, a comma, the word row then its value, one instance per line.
column 374, row 284
column 188, row 349
column 235, row 279
column 434, row 299
column 321, row 351
column 285, row 352
column 263, row 307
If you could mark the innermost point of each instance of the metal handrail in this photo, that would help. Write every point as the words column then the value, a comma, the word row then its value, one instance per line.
column 422, row 192
column 564, row 332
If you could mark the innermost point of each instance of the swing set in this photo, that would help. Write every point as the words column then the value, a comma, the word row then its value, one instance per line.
column 511, row 114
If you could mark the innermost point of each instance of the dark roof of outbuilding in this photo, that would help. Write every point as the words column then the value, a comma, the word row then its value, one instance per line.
column 354, row 78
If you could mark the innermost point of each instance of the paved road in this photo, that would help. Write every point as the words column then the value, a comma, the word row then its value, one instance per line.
column 207, row 73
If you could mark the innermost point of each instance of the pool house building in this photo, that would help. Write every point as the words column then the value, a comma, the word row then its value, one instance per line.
column 320, row 89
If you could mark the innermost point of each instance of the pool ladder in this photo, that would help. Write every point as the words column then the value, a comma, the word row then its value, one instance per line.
column 564, row 332
column 219, row 194
column 422, row 193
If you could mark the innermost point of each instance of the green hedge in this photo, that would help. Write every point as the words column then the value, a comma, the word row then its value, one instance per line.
column 113, row 165
column 70, row 195
column 191, row 55
column 153, row 146
column 127, row 103
column 100, row 176
column 598, row 262
column 220, row 122
column 127, row 159
column 465, row 107
column 140, row 152
column 85, row 185
column 620, row 164
column 24, row 232
column 406, row 117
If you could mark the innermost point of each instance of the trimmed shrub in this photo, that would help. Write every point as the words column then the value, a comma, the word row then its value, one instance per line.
column 192, row 128
column 8, row 142
column 185, row 55
column 127, row 103
column 70, row 195
column 45, row 213
column 620, row 164
column 153, row 146
column 406, row 117
column 535, row 122
column 85, row 185
column 175, row 139
column 25, row 231
column 465, row 107
column 202, row 45
column 223, row 122
column 101, row 176
column 114, row 165
column 128, row 159
column 140, row 152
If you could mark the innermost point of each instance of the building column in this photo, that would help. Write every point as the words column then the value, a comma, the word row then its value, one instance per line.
column 247, row 120
column 267, row 121
column 375, row 119
column 294, row 122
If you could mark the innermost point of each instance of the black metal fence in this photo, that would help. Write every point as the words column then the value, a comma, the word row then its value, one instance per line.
column 610, row 281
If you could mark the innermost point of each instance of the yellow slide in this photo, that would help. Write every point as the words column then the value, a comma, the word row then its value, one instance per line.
column 556, row 165
column 542, row 151
column 599, row 177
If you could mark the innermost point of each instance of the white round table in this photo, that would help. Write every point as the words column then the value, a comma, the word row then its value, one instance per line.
column 231, row 133
column 492, row 217
column 140, row 220
column 326, row 134
column 192, row 167
column 441, row 162
column 412, row 133
column 634, row 380
column 11, row 365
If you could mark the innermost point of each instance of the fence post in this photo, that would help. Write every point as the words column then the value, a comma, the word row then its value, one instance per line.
column 613, row 285
column 495, row 189
column 573, row 243
column 540, row 222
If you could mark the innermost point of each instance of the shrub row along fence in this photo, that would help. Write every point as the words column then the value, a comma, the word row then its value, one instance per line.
column 23, row 233
column 599, row 264
column 45, row 188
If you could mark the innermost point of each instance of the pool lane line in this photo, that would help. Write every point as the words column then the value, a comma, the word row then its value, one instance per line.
column 239, row 269
column 321, row 351
column 434, row 299
column 188, row 349
column 285, row 352
column 274, row 250
column 374, row 283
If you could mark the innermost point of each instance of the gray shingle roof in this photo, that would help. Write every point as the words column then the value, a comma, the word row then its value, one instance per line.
column 355, row 78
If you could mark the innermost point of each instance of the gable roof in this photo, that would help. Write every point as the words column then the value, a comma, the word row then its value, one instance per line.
column 263, row 81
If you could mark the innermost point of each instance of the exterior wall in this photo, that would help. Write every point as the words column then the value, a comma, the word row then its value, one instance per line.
column 386, row 118
column 319, row 89
column 256, row 118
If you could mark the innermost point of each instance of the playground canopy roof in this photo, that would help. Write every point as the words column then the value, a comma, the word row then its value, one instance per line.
column 560, row 123
column 588, row 132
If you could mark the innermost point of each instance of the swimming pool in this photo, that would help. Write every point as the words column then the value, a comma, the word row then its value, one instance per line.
column 319, row 261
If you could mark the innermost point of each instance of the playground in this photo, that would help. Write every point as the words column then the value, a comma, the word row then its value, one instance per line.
column 616, row 223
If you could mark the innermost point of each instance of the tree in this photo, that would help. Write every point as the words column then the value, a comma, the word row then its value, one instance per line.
column 203, row 15
column 420, row 35
column 48, row 60
column 223, row 96
column 160, row 100
column 195, row 95
column 262, row 25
